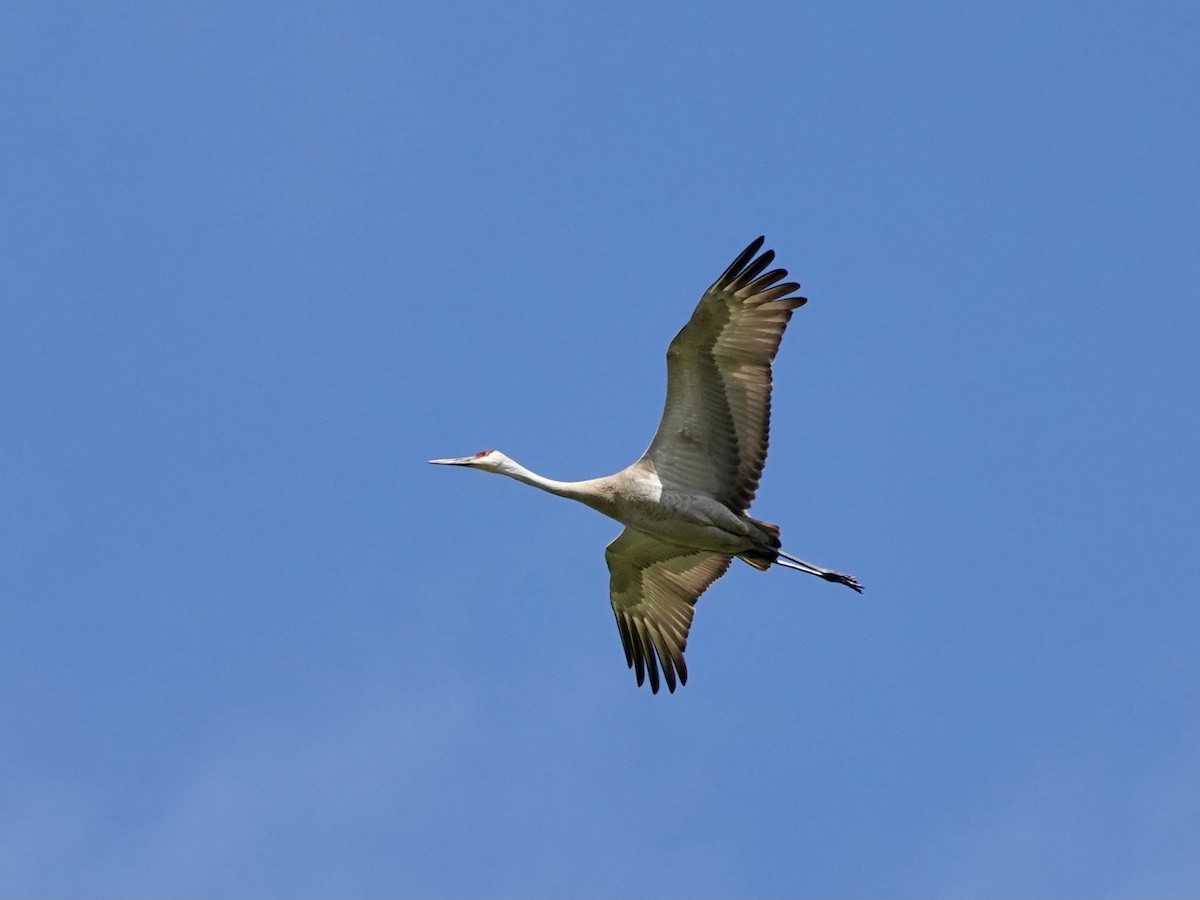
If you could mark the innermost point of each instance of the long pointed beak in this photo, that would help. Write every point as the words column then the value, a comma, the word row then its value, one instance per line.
column 457, row 461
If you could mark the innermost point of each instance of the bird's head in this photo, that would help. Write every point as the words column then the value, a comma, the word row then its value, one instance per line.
column 487, row 460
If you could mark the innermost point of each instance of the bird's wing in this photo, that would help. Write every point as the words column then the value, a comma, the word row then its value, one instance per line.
column 654, row 587
column 713, row 435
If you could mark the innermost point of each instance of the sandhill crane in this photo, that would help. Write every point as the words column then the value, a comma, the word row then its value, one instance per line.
column 684, row 503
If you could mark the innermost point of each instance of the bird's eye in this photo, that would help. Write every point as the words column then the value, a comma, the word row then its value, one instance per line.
column 482, row 453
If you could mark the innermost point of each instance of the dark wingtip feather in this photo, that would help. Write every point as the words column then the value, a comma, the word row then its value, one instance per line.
column 626, row 641
column 762, row 282
column 638, row 664
column 744, row 257
column 647, row 653
column 652, row 670
column 665, row 656
column 751, row 271
column 774, row 293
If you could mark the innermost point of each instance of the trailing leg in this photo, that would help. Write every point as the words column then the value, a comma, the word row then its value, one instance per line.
column 790, row 562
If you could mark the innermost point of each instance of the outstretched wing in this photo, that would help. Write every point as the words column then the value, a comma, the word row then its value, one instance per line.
column 713, row 435
column 654, row 587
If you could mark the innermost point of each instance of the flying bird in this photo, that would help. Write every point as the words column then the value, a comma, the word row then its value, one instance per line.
column 684, row 503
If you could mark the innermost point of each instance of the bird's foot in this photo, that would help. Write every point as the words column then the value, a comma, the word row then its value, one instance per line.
column 841, row 578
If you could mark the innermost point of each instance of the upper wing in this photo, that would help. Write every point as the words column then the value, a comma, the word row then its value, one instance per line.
column 654, row 587
column 713, row 434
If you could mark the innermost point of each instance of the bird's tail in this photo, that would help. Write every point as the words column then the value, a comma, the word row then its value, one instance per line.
column 762, row 559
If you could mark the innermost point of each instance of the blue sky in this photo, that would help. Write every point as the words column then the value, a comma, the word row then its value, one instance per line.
column 261, row 261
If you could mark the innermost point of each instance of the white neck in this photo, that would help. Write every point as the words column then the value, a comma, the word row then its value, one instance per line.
column 584, row 491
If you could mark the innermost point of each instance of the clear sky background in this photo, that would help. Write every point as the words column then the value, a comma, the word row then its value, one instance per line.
column 262, row 260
